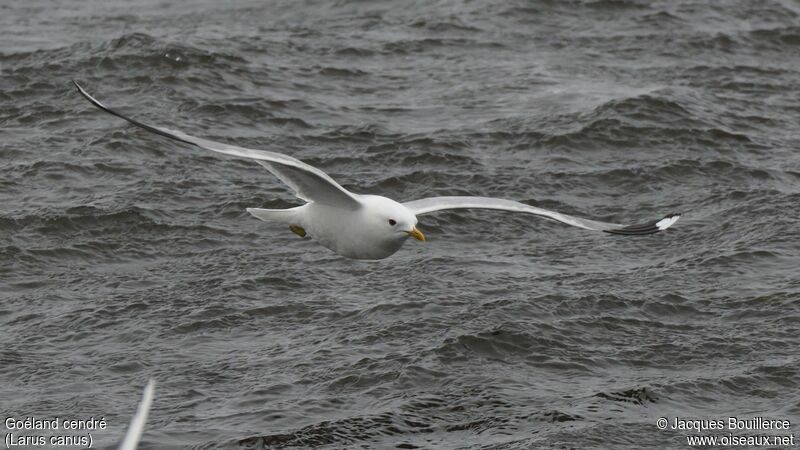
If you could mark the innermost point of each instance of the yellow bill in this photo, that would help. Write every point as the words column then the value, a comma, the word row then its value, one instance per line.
column 416, row 234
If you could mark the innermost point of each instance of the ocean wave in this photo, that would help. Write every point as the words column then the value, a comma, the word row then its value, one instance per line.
column 84, row 217
column 637, row 396
column 477, row 419
column 443, row 24
column 422, row 45
column 781, row 39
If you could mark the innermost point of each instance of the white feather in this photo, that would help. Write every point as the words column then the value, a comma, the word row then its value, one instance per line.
column 137, row 423
column 667, row 222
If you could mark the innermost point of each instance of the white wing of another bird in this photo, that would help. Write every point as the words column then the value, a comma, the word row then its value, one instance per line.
column 308, row 182
column 429, row 205
column 137, row 423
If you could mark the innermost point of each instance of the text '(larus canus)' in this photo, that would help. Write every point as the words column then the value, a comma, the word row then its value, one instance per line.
column 365, row 226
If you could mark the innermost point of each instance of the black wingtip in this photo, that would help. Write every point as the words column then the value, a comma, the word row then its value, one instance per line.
column 652, row 227
column 94, row 101
column 79, row 87
column 150, row 128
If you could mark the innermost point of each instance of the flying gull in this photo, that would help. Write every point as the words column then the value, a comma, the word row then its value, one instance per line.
column 364, row 226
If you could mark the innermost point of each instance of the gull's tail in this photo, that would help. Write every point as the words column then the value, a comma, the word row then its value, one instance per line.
column 289, row 216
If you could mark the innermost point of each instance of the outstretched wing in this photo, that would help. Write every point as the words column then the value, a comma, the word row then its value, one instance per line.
column 428, row 205
column 308, row 182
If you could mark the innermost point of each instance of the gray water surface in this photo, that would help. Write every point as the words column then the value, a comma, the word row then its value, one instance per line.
column 125, row 256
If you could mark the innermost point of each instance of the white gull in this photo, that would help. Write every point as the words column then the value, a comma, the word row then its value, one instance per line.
column 365, row 226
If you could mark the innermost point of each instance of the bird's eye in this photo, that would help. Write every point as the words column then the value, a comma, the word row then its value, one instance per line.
column 392, row 222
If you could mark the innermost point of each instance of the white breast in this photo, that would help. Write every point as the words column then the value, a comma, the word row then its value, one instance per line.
column 347, row 232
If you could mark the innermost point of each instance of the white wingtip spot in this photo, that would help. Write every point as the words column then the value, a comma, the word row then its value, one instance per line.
column 667, row 222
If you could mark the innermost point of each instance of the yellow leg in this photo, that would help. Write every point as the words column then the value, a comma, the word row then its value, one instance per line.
column 298, row 230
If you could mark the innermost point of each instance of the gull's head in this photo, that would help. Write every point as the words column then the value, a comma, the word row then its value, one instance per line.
column 390, row 220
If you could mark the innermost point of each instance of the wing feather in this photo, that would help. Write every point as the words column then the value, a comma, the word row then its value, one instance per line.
column 136, row 428
column 429, row 205
column 308, row 182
